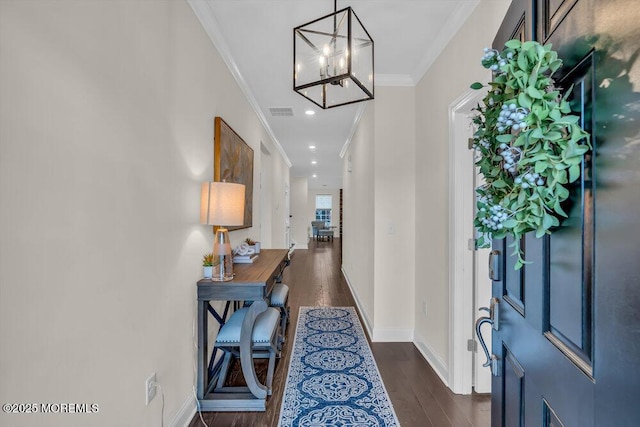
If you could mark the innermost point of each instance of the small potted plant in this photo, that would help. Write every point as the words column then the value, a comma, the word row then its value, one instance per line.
column 207, row 265
column 252, row 243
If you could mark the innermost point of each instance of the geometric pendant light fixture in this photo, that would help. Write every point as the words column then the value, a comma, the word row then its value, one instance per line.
column 333, row 60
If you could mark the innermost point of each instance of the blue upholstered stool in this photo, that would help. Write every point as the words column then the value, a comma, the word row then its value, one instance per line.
column 279, row 300
column 265, row 339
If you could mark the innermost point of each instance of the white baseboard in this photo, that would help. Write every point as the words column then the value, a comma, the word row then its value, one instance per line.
column 363, row 314
column 185, row 414
column 392, row 335
column 433, row 359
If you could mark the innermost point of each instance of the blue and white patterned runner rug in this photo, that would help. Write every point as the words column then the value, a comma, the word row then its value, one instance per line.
column 333, row 379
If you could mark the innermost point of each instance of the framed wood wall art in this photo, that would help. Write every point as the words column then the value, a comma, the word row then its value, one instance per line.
column 233, row 162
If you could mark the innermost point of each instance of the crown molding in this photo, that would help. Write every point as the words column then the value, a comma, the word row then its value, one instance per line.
column 404, row 80
column 356, row 121
column 208, row 21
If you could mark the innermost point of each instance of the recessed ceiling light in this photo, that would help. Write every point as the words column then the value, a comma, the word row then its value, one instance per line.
column 312, row 147
column 313, row 162
column 314, row 175
column 309, row 112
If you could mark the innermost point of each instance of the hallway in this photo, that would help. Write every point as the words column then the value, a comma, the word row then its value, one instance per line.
column 419, row 397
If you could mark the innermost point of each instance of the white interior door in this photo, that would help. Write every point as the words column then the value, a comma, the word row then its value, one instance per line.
column 470, row 287
column 482, row 298
column 482, row 285
column 287, row 216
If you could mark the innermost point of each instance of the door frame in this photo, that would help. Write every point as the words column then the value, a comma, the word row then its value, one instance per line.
column 461, row 258
column 266, row 197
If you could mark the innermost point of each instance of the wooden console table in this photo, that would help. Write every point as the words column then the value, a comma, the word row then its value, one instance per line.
column 252, row 282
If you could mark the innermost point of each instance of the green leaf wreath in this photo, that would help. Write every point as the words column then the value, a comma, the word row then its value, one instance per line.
column 529, row 146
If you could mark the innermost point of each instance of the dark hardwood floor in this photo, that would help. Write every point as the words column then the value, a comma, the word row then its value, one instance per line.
column 419, row 397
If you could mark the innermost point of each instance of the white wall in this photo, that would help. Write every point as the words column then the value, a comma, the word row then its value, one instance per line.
column 394, row 182
column 449, row 77
column 300, row 218
column 358, row 216
column 379, row 214
column 106, row 132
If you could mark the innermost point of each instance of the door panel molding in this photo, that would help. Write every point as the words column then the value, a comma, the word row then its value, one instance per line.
column 513, row 385
column 569, row 281
column 575, row 357
column 514, row 282
column 551, row 14
column 550, row 417
column 520, row 19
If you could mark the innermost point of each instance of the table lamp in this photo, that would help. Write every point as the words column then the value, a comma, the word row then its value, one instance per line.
column 222, row 204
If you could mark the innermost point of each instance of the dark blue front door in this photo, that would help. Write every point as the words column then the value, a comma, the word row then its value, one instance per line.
column 568, row 345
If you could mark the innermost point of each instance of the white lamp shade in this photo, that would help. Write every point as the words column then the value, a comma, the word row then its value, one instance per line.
column 222, row 203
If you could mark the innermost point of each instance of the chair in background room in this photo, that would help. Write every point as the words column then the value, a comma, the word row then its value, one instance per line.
column 326, row 232
column 320, row 230
column 316, row 226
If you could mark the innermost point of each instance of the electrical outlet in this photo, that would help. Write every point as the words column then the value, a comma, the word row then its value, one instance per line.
column 150, row 388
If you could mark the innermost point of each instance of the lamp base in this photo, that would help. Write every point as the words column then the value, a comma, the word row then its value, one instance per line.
column 223, row 259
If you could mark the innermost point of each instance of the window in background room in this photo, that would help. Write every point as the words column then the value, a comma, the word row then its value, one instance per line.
column 323, row 208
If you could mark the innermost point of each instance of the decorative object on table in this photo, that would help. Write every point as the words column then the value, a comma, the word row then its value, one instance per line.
column 222, row 204
column 333, row 59
column 529, row 146
column 207, row 265
column 233, row 162
column 244, row 254
column 243, row 249
column 332, row 377
column 245, row 259
column 252, row 243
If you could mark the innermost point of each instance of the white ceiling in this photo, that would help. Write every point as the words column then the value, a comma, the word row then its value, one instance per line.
column 255, row 38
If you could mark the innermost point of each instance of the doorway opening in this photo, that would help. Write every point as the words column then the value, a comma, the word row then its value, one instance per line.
column 266, row 197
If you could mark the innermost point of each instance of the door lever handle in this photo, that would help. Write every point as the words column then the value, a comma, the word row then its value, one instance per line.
column 479, row 323
column 493, row 362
